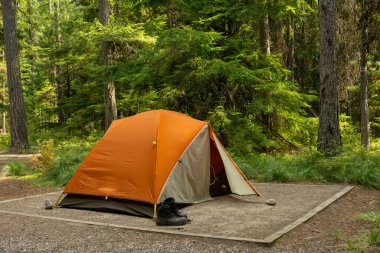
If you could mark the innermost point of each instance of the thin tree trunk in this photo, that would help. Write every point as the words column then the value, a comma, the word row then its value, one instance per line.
column 116, row 8
column 365, row 126
column 50, row 7
column 18, row 124
column 3, row 118
column 264, row 35
column 301, row 66
column 61, row 85
column 279, row 44
column 329, row 138
column 291, row 47
column 30, row 31
column 109, row 86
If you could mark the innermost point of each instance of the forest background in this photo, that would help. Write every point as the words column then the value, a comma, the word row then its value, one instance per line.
column 251, row 68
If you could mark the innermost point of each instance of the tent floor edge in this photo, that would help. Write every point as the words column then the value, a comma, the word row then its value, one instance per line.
column 111, row 205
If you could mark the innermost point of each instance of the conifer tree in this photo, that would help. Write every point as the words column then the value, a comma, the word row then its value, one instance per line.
column 18, row 124
column 329, row 138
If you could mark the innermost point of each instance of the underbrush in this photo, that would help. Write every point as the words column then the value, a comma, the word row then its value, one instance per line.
column 354, row 166
column 65, row 160
column 4, row 142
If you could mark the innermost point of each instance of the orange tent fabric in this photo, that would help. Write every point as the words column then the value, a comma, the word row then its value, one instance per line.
column 136, row 155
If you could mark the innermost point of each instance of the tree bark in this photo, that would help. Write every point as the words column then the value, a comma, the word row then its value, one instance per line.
column 58, row 73
column 364, row 115
column 50, row 7
column 279, row 44
column 3, row 118
column 329, row 138
column 291, row 46
column 18, row 124
column 31, row 34
column 109, row 86
column 264, row 34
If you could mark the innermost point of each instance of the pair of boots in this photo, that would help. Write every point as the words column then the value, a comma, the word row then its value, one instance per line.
column 169, row 215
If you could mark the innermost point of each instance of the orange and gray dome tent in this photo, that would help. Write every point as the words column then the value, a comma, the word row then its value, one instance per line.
column 144, row 159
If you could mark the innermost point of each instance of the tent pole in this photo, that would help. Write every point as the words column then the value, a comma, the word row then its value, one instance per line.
column 155, row 212
column 57, row 202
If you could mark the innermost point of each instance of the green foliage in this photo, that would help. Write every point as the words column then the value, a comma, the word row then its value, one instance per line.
column 15, row 168
column 47, row 153
column 354, row 167
column 189, row 71
column 202, row 58
column 4, row 142
column 373, row 217
column 374, row 237
column 237, row 132
column 350, row 133
column 370, row 238
column 68, row 155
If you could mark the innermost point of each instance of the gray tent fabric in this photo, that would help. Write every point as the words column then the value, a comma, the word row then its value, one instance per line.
column 189, row 180
column 95, row 203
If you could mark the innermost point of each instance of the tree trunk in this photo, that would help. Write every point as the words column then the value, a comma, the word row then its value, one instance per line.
column 365, row 126
column 3, row 118
column 31, row 35
column 18, row 124
column 58, row 73
column 109, row 86
column 50, row 7
column 264, row 35
column 291, row 46
column 279, row 45
column 329, row 138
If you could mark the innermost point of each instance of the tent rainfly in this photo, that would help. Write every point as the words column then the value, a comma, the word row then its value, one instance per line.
column 144, row 159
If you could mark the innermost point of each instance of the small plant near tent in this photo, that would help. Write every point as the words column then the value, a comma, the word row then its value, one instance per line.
column 46, row 148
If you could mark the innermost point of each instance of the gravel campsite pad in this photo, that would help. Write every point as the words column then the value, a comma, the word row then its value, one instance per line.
column 244, row 218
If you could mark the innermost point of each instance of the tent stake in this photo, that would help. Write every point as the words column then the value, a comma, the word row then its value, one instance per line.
column 57, row 202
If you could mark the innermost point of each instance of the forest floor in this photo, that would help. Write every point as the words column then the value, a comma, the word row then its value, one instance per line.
column 328, row 231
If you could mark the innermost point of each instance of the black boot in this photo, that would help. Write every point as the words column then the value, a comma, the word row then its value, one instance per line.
column 171, row 203
column 165, row 217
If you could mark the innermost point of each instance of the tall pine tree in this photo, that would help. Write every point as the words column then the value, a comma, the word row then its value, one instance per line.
column 18, row 124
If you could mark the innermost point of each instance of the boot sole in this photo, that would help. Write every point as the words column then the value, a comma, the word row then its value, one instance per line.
column 169, row 223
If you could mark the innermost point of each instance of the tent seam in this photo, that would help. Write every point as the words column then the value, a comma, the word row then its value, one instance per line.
column 155, row 156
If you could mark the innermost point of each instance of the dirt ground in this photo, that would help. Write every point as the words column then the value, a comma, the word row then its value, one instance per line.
column 325, row 232
column 11, row 189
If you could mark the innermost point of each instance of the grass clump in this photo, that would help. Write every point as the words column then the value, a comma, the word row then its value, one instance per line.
column 354, row 167
column 15, row 168
column 373, row 239
column 368, row 239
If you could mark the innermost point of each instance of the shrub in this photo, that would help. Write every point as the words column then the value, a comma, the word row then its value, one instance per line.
column 46, row 148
